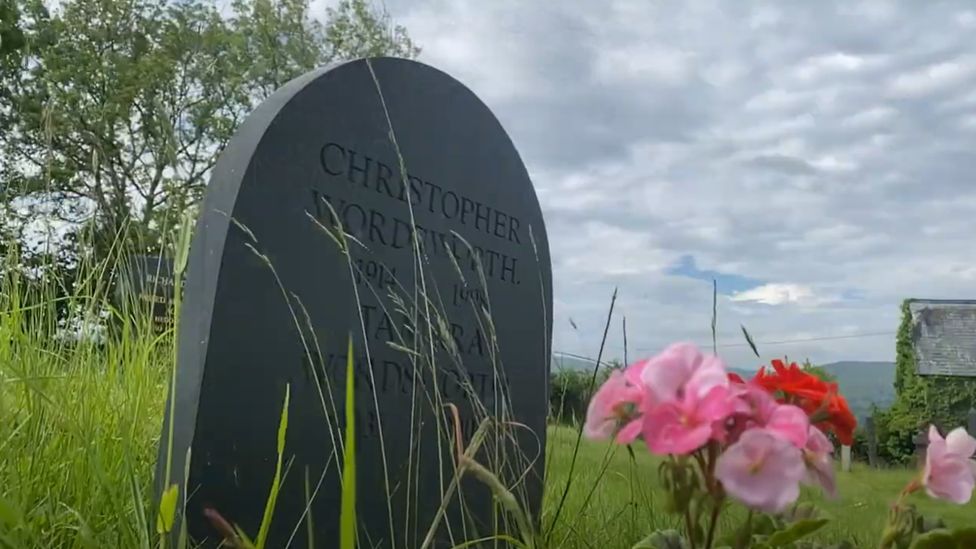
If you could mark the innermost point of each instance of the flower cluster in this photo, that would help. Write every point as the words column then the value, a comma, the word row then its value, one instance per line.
column 755, row 440
column 681, row 401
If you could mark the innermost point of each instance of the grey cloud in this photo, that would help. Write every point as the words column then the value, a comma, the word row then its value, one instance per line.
column 791, row 142
column 783, row 164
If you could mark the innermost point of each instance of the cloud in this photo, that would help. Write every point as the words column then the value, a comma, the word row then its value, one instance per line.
column 934, row 77
column 778, row 294
column 821, row 151
column 784, row 164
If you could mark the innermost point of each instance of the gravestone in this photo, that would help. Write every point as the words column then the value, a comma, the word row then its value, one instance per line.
column 971, row 422
column 146, row 288
column 845, row 458
column 445, row 292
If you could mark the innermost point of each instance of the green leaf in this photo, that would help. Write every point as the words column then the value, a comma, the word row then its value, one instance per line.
column 276, row 482
column 167, row 509
column 965, row 537
column 347, row 514
column 662, row 539
column 803, row 511
column 796, row 531
column 960, row 538
column 925, row 524
column 936, row 539
column 763, row 524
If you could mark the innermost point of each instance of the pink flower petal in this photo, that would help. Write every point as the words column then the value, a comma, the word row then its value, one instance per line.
column 820, row 463
column 762, row 470
column 633, row 372
column 952, row 481
column 960, row 443
column 630, row 432
column 791, row 423
column 710, row 375
column 665, row 375
column 949, row 475
column 818, row 442
column 603, row 412
column 668, row 430
column 716, row 405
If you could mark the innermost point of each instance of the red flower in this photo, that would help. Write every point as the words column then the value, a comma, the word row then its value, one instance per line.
column 736, row 378
column 821, row 400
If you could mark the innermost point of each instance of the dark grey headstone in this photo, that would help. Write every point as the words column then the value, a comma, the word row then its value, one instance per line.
column 247, row 329
column 944, row 336
column 971, row 422
column 145, row 289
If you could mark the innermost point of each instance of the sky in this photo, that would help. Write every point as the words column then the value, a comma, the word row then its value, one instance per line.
column 817, row 159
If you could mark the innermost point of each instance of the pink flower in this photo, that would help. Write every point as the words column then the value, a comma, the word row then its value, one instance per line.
column 762, row 470
column 755, row 407
column 788, row 422
column 949, row 473
column 685, row 425
column 817, row 454
column 616, row 405
column 689, row 399
column 668, row 375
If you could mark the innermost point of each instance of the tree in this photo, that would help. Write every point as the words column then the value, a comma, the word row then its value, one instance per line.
column 11, row 36
column 115, row 111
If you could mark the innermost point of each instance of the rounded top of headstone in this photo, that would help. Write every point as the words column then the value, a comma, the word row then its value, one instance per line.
column 420, row 110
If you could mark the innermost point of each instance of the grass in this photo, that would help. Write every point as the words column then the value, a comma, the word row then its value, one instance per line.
column 79, row 427
column 623, row 507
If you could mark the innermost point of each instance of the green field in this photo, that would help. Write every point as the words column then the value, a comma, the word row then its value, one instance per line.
column 80, row 426
column 623, row 506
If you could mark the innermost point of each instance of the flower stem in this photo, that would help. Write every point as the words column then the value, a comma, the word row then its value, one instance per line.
column 716, row 508
column 714, row 489
column 690, row 526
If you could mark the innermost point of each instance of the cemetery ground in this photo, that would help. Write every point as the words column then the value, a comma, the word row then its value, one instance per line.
column 80, row 428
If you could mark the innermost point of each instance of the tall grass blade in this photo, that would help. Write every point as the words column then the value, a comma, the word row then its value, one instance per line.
column 276, row 483
column 714, row 315
column 752, row 344
column 626, row 358
column 579, row 434
column 167, row 509
column 347, row 514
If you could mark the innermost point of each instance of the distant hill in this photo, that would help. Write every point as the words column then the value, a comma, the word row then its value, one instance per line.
column 864, row 383
column 861, row 383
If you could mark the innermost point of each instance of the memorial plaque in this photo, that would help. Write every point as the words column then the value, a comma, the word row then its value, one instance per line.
column 145, row 287
column 445, row 292
column 944, row 337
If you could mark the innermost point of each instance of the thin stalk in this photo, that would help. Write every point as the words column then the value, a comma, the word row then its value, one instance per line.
column 579, row 432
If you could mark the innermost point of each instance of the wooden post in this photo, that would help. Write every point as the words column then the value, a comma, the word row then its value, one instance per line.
column 872, row 437
column 845, row 458
column 921, row 445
